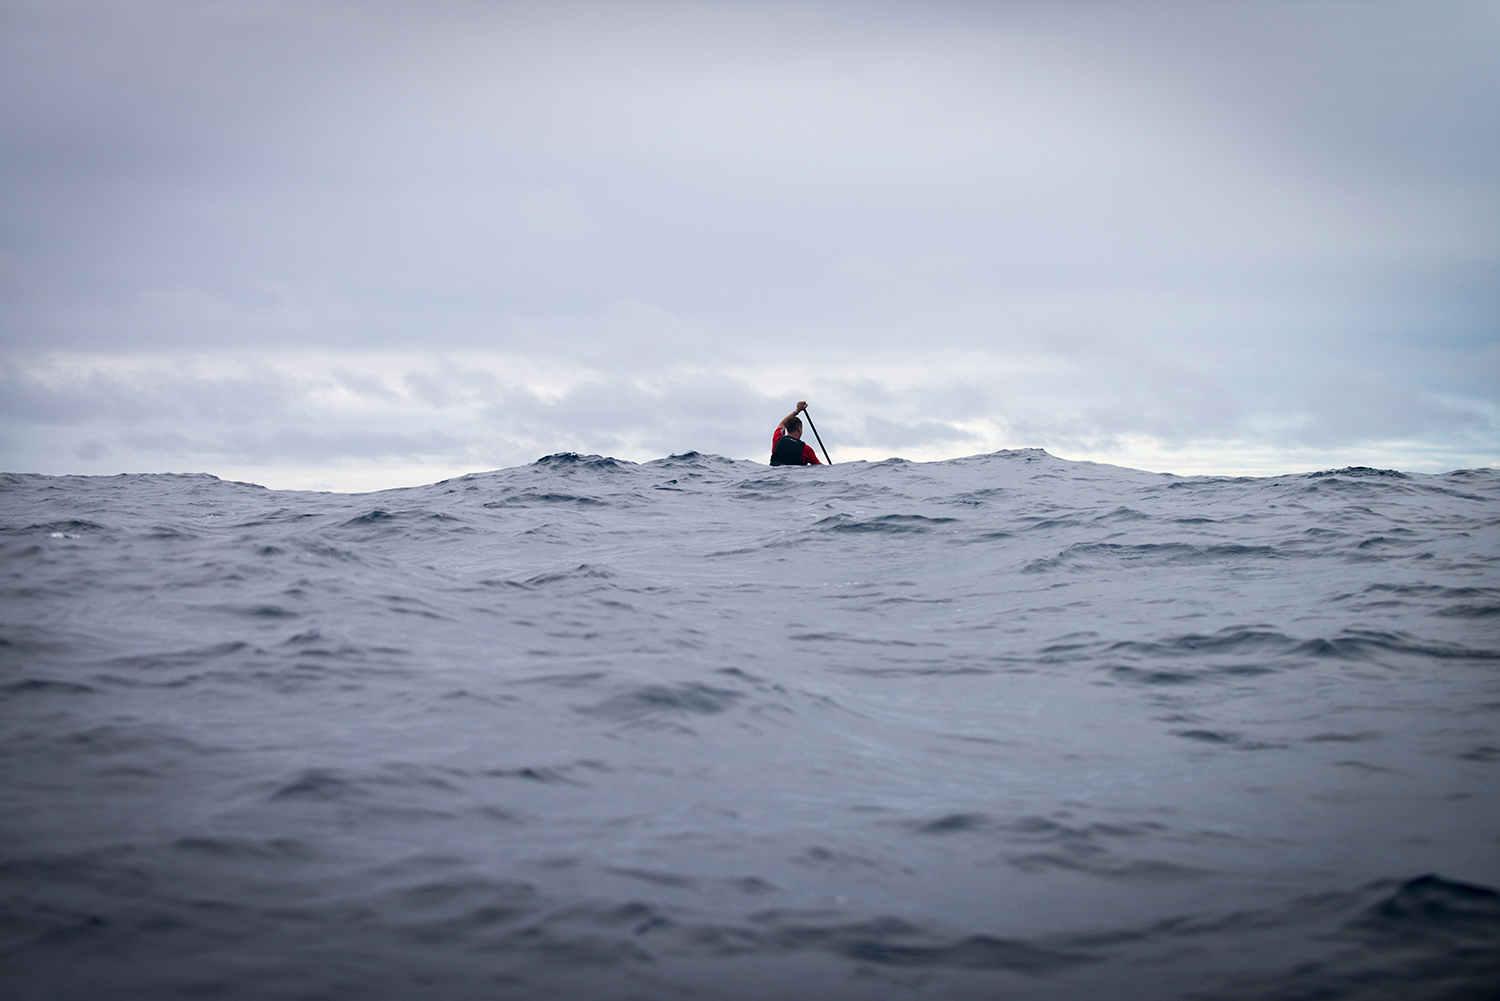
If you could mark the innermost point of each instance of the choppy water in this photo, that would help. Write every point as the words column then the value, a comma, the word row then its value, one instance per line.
column 1005, row 726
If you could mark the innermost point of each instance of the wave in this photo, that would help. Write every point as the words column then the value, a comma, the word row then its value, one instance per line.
column 1005, row 725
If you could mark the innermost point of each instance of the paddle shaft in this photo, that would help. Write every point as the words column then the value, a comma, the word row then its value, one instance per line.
column 816, row 435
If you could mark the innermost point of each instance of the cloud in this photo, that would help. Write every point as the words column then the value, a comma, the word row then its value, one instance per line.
column 462, row 412
column 53, row 396
column 462, row 233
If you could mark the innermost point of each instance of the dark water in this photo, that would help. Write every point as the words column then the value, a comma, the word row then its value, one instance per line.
column 1006, row 726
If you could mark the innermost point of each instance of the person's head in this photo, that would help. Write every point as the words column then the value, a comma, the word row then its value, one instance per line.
column 794, row 427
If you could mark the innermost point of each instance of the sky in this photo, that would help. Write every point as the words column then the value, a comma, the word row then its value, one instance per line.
column 357, row 244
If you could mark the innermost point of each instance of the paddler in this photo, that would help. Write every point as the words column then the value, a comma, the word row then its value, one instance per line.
column 787, row 447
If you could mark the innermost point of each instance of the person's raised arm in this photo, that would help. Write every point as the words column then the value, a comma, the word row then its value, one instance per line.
column 801, row 406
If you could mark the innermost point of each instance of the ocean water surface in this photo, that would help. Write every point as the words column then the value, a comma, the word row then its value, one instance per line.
column 1005, row 726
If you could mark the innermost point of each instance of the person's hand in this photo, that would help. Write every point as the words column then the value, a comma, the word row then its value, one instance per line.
column 801, row 406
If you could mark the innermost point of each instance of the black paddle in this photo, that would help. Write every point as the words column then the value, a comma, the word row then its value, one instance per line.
column 816, row 435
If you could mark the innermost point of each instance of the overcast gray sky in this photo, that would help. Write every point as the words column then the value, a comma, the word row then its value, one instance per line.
column 353, row 243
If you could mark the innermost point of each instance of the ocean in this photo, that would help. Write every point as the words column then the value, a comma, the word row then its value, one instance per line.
column 1005, row 726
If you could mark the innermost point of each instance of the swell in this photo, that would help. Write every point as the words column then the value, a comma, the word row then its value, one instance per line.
column 1422, row 937
column 1266, row 645
column 609, row 721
